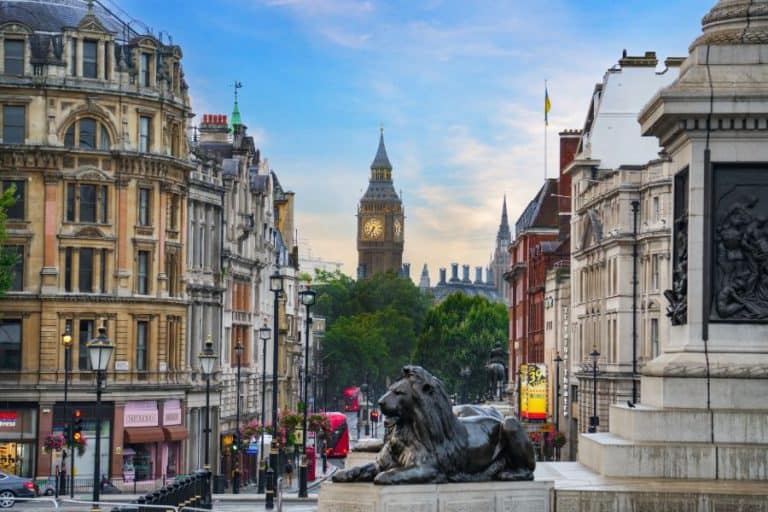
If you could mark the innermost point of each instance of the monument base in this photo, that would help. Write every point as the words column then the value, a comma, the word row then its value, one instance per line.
column 477, row 496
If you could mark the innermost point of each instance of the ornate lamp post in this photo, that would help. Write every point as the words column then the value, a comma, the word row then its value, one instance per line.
column 465, row 373
column 99, row 352
column 557, row 361
column 276, row 287
column 207, row 361
column 236, row 442
column 264, row 334
column 308, row 299
column 594, row 421
column 364, row 389
column 66, row 340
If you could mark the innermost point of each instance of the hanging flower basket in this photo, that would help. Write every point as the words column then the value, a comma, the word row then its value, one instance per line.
column 251, row 429
column 318, row 423
column 559, row 440
column 53, row 442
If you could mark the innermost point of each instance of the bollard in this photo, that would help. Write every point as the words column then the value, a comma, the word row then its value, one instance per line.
column 262, row 474
column 269, row 497
column 141, row 501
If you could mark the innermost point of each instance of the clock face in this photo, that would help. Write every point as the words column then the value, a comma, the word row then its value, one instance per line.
column 397, row 227
column 373, row 228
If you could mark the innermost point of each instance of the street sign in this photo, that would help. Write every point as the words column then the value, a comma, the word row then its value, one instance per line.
column 252, row 449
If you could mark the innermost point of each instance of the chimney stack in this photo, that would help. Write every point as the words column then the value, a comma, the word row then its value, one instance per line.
column 454, row 272
column 214, row 128
column 465, row 274
column 442, row 276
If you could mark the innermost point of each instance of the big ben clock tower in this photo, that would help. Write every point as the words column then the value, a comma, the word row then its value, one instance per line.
column 380, row 221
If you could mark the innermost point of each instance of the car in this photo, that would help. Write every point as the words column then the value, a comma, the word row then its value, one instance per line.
column 12, row 487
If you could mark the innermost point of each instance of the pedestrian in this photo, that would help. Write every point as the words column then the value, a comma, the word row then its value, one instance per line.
column 289, row 473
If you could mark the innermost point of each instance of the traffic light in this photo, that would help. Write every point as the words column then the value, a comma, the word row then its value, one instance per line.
column 77, row 426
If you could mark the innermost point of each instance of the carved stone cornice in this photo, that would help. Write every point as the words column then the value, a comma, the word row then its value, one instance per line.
column 30, row 158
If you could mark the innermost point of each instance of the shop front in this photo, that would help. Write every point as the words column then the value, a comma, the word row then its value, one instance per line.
column 18, row 438
column 151, row 447
column 84, row 453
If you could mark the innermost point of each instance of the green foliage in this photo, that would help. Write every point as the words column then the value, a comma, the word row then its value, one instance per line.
column 458, row 333
column 371, row 328
column 7, row 259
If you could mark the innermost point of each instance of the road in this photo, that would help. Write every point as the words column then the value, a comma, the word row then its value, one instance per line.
column 226, row 506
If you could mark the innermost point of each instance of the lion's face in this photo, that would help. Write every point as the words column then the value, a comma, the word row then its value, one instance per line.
column 398, row 402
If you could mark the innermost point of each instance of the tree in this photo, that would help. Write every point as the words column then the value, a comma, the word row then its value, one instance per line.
column 460, row 332
column 7, row 259
column 371, row 327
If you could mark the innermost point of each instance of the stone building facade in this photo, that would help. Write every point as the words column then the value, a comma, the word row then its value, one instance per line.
column 205, row 292
column 93, row 138
column 611, row 174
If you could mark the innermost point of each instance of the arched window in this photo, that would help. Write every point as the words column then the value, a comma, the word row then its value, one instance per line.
column 87, row 133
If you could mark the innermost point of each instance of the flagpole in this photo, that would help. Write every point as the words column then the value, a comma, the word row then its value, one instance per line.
column 546, row 125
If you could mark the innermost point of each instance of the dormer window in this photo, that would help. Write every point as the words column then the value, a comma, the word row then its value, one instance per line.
column 144, row 69
column 87, row 133
column 90, row 58
column 14, row 57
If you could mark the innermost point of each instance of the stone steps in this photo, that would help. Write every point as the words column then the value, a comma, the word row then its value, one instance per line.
column 614, row 456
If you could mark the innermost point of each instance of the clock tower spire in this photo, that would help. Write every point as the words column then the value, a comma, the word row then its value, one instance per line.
column 380, row 220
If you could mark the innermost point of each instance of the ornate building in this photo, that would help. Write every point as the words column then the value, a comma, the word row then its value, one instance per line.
column 94, row 119
column 460, row 284
column 620, row 227
column 500, row 262
column 380, row 221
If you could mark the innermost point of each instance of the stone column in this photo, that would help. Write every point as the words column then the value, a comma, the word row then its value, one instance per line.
column 162, row 277
column 44, row 427
column 49, row 274
column 124, row 256
column 116, row 469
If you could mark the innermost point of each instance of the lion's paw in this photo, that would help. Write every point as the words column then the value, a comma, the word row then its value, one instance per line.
column 385, row 478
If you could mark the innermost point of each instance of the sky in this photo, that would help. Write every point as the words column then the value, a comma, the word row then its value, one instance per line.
column 458, row 87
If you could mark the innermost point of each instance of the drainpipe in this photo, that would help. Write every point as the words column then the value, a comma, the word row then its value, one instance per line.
column 635, row 211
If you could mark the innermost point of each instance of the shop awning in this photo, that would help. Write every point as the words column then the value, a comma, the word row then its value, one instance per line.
column 175, row 432
column 141, row 435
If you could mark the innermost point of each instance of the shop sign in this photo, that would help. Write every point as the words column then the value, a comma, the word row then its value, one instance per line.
column 140, row 414
column 533, row 392
column 172, row 412
column 8, row 418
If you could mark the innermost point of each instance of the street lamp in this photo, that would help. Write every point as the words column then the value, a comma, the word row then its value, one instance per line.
column 594, row 421
column 66, row 340
column 276, row 287
column 465, row 373
column 236, row 441
column 364, row 390
column 308, row 299
column 99, row 352
column 264, row 334
column 207, row 361
column 557, row 361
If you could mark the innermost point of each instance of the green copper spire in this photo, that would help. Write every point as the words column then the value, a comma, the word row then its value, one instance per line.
column 236, row 109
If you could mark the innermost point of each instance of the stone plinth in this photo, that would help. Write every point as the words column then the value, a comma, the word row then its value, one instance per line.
column 355, row 458
column 476, row 497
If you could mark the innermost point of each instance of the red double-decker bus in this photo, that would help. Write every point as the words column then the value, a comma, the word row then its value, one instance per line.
column 351, row 399
column 337, row 444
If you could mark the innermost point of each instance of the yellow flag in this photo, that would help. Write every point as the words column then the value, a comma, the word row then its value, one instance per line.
column 547, row 106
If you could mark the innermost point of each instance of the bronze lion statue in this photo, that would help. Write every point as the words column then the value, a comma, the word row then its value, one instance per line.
column 427, row 443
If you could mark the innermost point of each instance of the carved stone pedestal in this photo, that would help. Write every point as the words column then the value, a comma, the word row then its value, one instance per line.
column 469, row 497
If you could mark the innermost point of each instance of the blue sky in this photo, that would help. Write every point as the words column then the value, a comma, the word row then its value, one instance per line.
column 458, row 86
